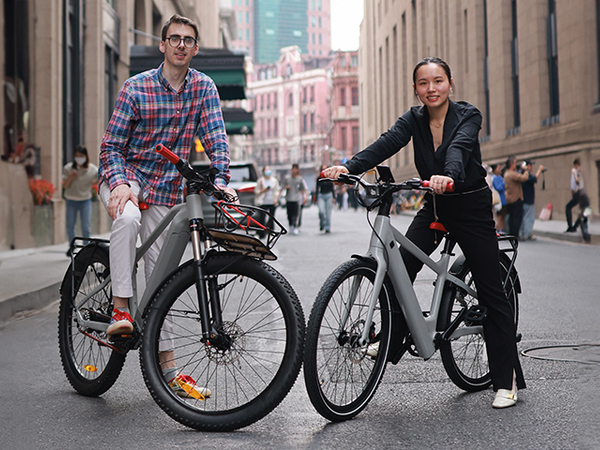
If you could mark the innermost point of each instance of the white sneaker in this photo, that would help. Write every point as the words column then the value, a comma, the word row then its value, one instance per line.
column 295, row 230
column 505, row 398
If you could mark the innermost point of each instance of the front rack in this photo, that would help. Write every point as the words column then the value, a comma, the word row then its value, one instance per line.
column 243, row 228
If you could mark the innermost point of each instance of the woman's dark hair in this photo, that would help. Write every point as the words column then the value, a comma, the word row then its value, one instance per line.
column 176, row 18
column 433, row 60
column 81, row 149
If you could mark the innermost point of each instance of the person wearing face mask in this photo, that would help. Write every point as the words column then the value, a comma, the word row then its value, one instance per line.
column 78, row 178
column 267, row 194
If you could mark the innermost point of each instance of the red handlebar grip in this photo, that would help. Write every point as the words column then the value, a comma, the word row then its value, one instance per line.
column 164, row 151
column 322, row 174
column 449, row 186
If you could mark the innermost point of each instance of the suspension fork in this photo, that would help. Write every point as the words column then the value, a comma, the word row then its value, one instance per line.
column 195, row 227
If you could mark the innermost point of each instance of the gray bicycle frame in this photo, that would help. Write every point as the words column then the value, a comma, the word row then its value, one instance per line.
column 178, row 236
column 384, row 249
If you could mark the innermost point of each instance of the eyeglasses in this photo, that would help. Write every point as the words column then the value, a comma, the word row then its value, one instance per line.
column 188, row 41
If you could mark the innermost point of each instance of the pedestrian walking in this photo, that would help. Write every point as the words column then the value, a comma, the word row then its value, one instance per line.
column 500, row 209
column 78, row 178
column 514, row 195
column 295, row 195
column 324, row 190
column 267, row 195
column 529, row 199
column 577, row 194
column 450, row 131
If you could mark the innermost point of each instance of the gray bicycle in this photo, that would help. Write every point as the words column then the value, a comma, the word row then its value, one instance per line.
column 233, row 323
column 367, row 312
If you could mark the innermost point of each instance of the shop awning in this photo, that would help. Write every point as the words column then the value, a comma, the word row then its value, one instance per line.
column 238, row 121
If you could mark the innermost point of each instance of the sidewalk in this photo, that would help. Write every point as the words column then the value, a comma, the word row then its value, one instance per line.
column 30, row 278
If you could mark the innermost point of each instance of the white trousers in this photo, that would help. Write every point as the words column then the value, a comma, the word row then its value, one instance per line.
column 123, row 240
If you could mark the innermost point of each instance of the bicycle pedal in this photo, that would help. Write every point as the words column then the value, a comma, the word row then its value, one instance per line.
column 476, row 314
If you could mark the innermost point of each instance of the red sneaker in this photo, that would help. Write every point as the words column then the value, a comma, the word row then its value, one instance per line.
column 120, row 323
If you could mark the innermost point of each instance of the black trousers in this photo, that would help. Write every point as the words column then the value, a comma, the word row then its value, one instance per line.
column 515, row 217
column 468, row 217
column 568, row 208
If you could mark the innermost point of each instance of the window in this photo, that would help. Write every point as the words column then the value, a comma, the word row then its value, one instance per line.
column 355, row 140
column 312, row 121
column 354, row 60
column 598, row 43
column 268, row 100
column 354, row 96
column 343, row 61
column 304, row 95
column 304, row 123
column 312, row 94
column 552, row 52
column 275, row 130
column 342, row 96
column 515, row 70
column 291, row 99
column 344, row 138
column 313, row 21
column 274, row 100
column 486, row 73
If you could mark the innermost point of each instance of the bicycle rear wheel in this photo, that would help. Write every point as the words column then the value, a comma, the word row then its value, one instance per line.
column 90, row 367
column 264, row 325
column 341, row 378
column 465, row 358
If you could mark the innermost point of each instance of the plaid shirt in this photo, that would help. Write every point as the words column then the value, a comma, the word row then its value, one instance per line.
column 148, row 112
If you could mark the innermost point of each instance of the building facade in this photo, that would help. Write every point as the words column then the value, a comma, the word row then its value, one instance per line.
column 265, row 26
column 64, row 62
column 291, row 107
column 345, row 107
column 530, row 66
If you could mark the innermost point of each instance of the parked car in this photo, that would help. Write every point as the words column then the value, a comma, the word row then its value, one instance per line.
column 243, row 179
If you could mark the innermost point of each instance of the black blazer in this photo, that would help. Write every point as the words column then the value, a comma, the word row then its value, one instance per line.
column 458, row 157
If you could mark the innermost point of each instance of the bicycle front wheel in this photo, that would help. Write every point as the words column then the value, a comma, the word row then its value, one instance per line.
column 251, row 373
column 465, row 358
column 341, row 375
column 90, row 367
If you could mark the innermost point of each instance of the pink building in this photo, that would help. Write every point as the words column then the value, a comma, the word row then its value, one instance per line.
column 290, row 101
column 345, row 111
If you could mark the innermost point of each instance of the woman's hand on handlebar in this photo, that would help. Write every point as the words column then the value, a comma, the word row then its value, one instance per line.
column 334, row 172
column 439, row 183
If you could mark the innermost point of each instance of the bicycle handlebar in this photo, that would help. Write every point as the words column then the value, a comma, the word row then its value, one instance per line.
column 188, row 172
column 168, row 154
column 415, row 183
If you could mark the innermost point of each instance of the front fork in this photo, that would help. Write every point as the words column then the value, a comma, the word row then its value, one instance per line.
column 207, row 290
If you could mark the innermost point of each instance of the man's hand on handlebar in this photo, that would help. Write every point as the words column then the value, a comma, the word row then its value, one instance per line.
column 232, row 196
column 334, row 172
column 119, row 196
column 439, row 183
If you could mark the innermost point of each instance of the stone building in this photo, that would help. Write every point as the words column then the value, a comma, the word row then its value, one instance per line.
column 530, row 66
column 63, row 63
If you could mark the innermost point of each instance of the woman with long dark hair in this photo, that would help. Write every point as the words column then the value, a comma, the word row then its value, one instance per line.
column 445, row 136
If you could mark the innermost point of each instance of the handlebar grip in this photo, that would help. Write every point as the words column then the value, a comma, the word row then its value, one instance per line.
column 164, row 151
column 449, row 186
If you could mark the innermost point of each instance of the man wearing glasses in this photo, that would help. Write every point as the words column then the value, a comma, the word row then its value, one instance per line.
column 171, row 105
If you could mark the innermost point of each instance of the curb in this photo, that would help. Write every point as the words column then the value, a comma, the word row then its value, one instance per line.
column 13, row 307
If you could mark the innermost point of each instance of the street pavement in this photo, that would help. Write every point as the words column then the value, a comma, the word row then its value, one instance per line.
column 30, row 278
column 416, row 405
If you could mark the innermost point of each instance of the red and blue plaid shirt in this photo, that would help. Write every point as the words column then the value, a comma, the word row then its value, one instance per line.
column 148, row 111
